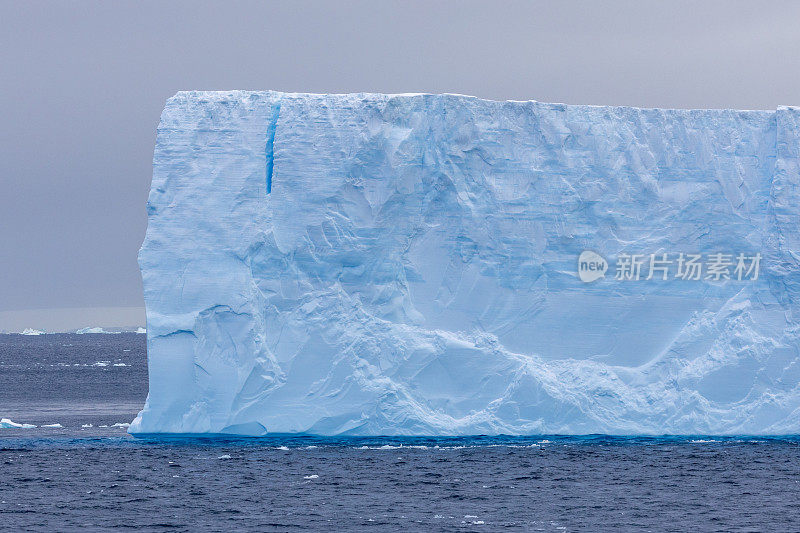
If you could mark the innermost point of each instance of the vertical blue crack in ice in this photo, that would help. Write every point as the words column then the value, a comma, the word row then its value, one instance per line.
column 270, row 148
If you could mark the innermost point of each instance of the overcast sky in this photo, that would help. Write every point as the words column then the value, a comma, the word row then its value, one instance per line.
column 82, row 85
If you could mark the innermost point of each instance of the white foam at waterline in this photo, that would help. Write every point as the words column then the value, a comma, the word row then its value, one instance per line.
column 312, row 476
column 226, row 456
column 121, row 425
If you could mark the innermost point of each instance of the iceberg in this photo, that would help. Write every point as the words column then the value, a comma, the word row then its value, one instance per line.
column 7, row 423
column 94, row 330
column 419, row 264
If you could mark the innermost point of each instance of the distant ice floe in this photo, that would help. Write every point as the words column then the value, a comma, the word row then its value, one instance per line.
column 54, row 426
column 7, row 423
column 123, row 425
column 110, row 331
column 92, row 330
column 82, row 331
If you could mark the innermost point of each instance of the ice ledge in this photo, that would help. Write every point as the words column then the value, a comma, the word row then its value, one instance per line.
column 405, row 265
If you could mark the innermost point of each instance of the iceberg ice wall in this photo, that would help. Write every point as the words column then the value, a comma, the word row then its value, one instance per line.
column 407, row 264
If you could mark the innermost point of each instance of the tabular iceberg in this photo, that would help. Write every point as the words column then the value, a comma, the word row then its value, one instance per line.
column 370, row 264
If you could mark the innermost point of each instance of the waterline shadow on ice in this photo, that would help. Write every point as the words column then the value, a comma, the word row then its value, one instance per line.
column 290, row 441
column 11, row 438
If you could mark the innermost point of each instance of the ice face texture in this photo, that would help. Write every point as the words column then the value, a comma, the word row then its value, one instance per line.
column 407, row 264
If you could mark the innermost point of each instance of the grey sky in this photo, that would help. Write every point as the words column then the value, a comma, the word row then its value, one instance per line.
column 82, row 85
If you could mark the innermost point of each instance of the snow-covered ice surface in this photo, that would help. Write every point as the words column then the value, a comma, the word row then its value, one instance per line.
column 406, row 264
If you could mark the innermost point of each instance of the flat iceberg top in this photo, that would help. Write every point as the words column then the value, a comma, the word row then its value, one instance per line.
column 444, row 265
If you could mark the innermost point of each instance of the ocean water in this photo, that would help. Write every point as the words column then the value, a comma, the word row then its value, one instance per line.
column 89, row 475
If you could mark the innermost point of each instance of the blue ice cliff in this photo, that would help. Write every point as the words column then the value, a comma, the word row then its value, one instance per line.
column 372, row 264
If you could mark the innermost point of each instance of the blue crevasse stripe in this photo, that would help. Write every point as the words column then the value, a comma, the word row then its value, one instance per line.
column 270, row 149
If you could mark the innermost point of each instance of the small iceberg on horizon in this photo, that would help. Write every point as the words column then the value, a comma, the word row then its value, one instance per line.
column 110, row 331
column 7, row 423
column 31, row 331
column 96, row 329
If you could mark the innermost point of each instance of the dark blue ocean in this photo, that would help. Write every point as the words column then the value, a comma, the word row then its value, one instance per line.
column 89, row 475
